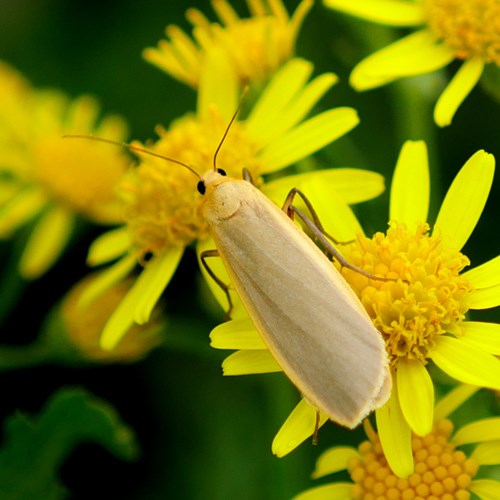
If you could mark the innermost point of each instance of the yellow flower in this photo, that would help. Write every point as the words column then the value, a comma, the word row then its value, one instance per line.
column 442, row 469
column 50, row 181
column 82, row 326
column 257, row 46
column 468, row 30
column 161, row 204
column 420, row 313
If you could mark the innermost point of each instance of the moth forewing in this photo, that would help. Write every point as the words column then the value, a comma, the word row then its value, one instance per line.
column 306, row 313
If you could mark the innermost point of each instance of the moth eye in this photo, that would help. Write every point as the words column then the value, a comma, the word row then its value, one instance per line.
column 221, row 172
column 201, row 187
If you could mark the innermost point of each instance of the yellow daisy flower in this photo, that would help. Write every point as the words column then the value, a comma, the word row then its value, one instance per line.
column 50, row 181
column 78, row 329
column 162, row 207
column 257, row 46
column 420, row 313
column 468, row 30
column 442, row 469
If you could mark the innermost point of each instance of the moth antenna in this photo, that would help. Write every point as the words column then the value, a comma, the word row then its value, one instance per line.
column 243, row 94
column 130, row 147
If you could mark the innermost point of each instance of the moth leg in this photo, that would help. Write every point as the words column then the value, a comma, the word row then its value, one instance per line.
column 316, row 428
column 287, row 208
column 247, row 176
column 317, row 230
column 225, row 288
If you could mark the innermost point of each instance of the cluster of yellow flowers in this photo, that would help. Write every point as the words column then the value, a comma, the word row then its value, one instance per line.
column 48, row 183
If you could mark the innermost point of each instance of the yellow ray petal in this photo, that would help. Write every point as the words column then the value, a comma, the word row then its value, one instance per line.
column 487, row 429
column 487, row 453
column 410, row 189
column 217, row 267
column 485, row 275
column 415, row 54
column 295, row 111
column 484, row 298
column 19, row 210
column 395, row 435
column 486, row 489
column 250, row 363
column 457, row 90
column 218, row 85
column 299, row 426
column 236, row 334
column 453, row 400
column 416, row 396
column 153, row 280
column 337, row 491
column 283, row 88
column 107, row 278
column 466, row 363
column 109, row 246
column 351, row 184
column 334, row 460
column 308, row 137
column 46, row 242
column 141, row 297
column 389, row 12
column 465, row 200
column 485, row 336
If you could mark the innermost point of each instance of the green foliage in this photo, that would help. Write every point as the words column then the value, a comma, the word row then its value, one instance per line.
column 34, row 447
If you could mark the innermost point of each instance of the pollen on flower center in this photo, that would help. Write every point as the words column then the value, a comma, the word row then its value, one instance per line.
column 469, row 27
column 162, row 206
column 441, row 471
column 426, row 296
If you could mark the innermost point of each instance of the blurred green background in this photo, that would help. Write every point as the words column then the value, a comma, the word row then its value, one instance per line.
column 202, row 435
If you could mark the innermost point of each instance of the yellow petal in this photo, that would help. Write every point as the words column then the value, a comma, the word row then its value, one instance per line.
column 337, row 491
column 410, row 189
column 141, row 297
column 485, row 275
column 415, row 54
column 217, row 267
column 218, row 85
column 334, row 460
column 299, row 426
column 484, row 298
column 389, row 12
column 485, row 336
column 276, row 97
column 236, row 334
column 308, row 137
column 46, row 242
column 487, row 453
column 19, row 210
column 295, row 111
column 487, row 429
column 466, row 363
column 457, row 90
column 455, row 398
column 351, row 184
column 250, row 363
column 109, row 246
column 395, row 435
column 486, row 489
column 416, row 396
column 107, row 278
column 153, row 280
column 465, row 200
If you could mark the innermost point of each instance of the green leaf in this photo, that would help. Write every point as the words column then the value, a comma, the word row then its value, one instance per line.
column 34, row 447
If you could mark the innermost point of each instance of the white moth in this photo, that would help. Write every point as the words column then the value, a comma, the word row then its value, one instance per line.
column 308, row 316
